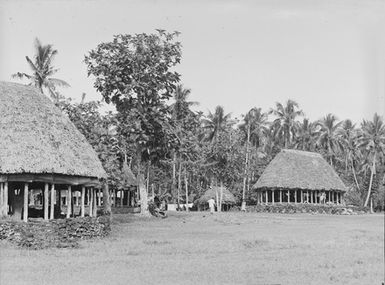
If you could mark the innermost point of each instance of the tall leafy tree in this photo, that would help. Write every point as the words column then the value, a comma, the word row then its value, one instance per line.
column 373, row 141
column 134, row 72
column 42, row 70
column 286, row 123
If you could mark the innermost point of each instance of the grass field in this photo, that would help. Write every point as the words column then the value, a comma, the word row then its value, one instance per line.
column 226, row 248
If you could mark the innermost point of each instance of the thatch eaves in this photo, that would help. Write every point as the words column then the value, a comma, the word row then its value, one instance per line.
column 228, row 197
column 294, row 169
column 37, row 138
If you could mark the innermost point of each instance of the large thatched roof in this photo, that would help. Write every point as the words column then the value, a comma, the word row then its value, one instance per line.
column 227, row 198
column 294, row 169
column 36, row 138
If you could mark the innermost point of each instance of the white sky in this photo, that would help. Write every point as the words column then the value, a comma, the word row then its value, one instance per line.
column 327, row 55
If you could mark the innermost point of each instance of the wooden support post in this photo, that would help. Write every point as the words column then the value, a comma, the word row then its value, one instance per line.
column 6, row 198
column 95, row 208
column 99, row 198
column 69, row 201
column 25, row 209
column 82, row 209
column 52, row 210
column 307, row 196
column 2, row 204
column 46, row 200
column 272, row 197
column 267, row 198
column 288, row 196
column 59, row 198
column 280, row 196
column 311, row 196
column 91, row 202
column 332, row 193
column 295, row 196
column 121, row 198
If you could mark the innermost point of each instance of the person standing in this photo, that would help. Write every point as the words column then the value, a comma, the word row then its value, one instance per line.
column 211, row 205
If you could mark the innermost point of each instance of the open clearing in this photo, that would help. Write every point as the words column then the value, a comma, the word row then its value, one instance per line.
column 226, row 248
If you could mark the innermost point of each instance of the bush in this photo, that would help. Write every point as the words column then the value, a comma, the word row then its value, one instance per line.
column 354, row 198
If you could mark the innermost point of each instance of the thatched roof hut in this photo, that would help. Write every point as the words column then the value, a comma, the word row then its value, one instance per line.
column 227, row 199
column 300, row 170
column 40, row 145
column 36, row 138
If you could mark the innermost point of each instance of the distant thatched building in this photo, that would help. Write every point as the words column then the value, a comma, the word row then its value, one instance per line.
column 40, row 148
column 126, row 193
column 299, row 177
column 228, row 198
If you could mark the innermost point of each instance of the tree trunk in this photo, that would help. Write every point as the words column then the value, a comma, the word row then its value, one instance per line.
column 186, row 186
column 173, row 183
column 243, row 207
column 179, row 182
column 221, row 197
column 355, row 176
column 373, row 170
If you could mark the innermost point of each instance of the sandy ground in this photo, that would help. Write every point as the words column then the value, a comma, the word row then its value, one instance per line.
column 226, row 248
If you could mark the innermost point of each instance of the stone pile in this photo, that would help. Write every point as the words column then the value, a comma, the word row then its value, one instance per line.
column 39, row 234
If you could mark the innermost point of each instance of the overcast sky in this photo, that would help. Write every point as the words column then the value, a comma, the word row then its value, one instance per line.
column 327, row 55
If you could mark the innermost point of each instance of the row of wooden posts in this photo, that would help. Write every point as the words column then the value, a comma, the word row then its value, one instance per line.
column 49, row 200
column 306, row 196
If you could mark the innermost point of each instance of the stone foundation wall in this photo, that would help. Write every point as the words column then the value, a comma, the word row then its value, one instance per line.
column 61, row 233
column 306, row 208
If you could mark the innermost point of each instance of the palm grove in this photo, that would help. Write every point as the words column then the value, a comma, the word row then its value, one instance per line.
column 178, row 153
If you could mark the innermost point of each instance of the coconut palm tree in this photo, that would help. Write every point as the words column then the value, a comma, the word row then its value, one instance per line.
column 42, row 70
column 305, row 138
column 255, row 126
column 285, row 124
column 328, row 139
column 216, row 123
column 373, row 141
column 350, row 150
column 181, row 107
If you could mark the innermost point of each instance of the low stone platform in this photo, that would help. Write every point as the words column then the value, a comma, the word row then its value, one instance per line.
column 306, row 208
column 60, row 233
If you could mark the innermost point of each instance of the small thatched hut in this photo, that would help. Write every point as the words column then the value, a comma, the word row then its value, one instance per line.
column 228, row 198
column 295, row 176
column 40, row 148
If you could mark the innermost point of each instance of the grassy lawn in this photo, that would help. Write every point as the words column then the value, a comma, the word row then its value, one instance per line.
column 226, row 248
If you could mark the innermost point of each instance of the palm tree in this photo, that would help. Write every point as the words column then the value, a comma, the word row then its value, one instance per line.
column 180, row 111
column 255, row 126
column 305, row 138
column 373, row 141
column 348, row 137
column 216, row 123
column 42, row 70
column 285, row 125
column 181, row 107
column 328, row 138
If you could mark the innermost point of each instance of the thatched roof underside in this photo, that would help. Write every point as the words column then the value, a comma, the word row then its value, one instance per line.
column 227, row 198
column 36, row 137
column 294, row 169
